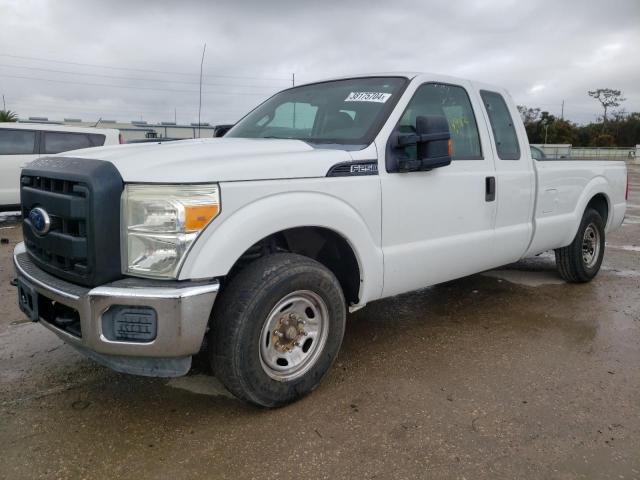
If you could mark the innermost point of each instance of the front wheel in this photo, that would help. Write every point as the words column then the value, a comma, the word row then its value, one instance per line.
column 580, row 261
column 277, row 329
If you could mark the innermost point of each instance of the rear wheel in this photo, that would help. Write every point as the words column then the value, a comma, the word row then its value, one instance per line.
column 277, row 329
column 580, row 261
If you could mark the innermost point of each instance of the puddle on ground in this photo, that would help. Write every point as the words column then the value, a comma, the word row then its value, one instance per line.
column 628, row 248
column 527, row 278
column 201, row 384
column 622, row 273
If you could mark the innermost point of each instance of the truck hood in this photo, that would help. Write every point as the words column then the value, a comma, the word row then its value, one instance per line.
column 216, row 160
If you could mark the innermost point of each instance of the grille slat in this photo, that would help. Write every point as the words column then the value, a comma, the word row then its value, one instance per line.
column 58, row 204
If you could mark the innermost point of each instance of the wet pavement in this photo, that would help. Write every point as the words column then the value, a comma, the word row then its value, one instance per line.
column 508, row 374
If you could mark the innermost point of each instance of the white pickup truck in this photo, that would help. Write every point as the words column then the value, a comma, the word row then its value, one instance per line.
column 326, row 197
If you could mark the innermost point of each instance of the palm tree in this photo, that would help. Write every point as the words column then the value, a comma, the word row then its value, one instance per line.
column 8, row 116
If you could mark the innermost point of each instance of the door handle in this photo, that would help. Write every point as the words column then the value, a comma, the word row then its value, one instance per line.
column 490, row 189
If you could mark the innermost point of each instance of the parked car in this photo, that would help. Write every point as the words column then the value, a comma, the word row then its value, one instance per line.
column 221, row 130
column 537, row 153
column 324, row 198
column 154, row 140
column 23, row 142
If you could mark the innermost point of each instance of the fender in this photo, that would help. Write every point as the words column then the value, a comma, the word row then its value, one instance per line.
column 597, row 185
column 228, row 237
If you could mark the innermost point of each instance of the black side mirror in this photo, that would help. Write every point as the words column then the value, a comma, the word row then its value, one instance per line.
column 435, row 141
column 432, row 141
column 221, row 130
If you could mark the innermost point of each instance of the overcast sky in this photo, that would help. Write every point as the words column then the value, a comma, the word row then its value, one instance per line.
column 127, row 60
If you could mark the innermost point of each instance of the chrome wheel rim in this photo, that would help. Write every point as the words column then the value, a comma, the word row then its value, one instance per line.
column 590, row 246
column 294, row 335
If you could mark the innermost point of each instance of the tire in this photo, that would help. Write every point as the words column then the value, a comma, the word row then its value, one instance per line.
column 258, row 350
column 580, row 261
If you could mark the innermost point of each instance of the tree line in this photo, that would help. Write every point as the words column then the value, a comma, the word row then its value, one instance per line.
column 615, row 128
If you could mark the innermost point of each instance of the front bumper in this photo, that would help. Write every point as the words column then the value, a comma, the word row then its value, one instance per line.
column 182, row 311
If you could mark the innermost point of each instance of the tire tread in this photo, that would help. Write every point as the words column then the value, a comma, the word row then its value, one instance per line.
column 569, row 258
column 238, row 298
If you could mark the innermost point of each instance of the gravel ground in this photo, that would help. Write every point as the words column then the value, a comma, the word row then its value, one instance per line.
column 507, row 374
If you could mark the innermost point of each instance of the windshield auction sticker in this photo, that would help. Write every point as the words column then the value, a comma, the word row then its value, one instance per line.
column 376, row 97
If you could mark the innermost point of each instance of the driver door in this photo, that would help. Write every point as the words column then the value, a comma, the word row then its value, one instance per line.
column 439, row 225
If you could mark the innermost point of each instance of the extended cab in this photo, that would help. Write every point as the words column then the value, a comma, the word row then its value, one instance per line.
column 253, row 247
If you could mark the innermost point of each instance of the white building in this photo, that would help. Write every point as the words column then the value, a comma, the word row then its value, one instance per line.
column 138, row 130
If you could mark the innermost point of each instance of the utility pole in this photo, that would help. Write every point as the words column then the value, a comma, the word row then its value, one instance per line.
column 175, row 115
column 546, row 126
column 4, row 105
column 562, row 114
column 204, row 49
column 293, row 84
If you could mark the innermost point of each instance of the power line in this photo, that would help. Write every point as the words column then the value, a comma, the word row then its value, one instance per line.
column 128, row 87
column 117, row 77
column 80, row 64
column 67, row 108
column 63, row 106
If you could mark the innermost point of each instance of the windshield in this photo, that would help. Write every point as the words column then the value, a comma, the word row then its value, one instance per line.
column 343, row 112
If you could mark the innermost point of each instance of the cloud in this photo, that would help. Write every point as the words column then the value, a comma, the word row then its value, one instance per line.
column 253, row 48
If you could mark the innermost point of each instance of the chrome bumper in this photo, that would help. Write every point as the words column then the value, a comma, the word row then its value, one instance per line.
column 182, row 313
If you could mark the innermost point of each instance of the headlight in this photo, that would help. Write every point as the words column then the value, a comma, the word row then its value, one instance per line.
column 160, row 223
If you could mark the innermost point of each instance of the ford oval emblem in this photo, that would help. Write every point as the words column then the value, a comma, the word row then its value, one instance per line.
column 40, row 220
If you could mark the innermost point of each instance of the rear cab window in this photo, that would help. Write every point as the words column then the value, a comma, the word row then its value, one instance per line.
column 58, row 142
column 17, row 142
column 504, row 132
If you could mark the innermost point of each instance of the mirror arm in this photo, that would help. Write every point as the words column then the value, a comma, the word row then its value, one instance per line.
column 406, row 165
column 414, row 139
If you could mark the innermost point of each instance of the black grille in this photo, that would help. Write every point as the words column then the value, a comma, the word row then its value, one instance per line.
column 67, row 209
column 82, row 199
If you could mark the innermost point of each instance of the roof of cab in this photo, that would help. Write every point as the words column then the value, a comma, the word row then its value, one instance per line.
column 438, row 77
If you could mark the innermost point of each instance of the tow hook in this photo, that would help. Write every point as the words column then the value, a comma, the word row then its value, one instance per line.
column 13, row 282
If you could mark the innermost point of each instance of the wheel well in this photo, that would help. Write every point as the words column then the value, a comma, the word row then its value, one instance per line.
column 323, row 245
column 600, row 204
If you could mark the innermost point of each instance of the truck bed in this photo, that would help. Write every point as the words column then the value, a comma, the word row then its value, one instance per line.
column 564, row 189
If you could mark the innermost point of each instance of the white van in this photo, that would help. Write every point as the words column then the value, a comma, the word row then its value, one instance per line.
column 22, row 142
